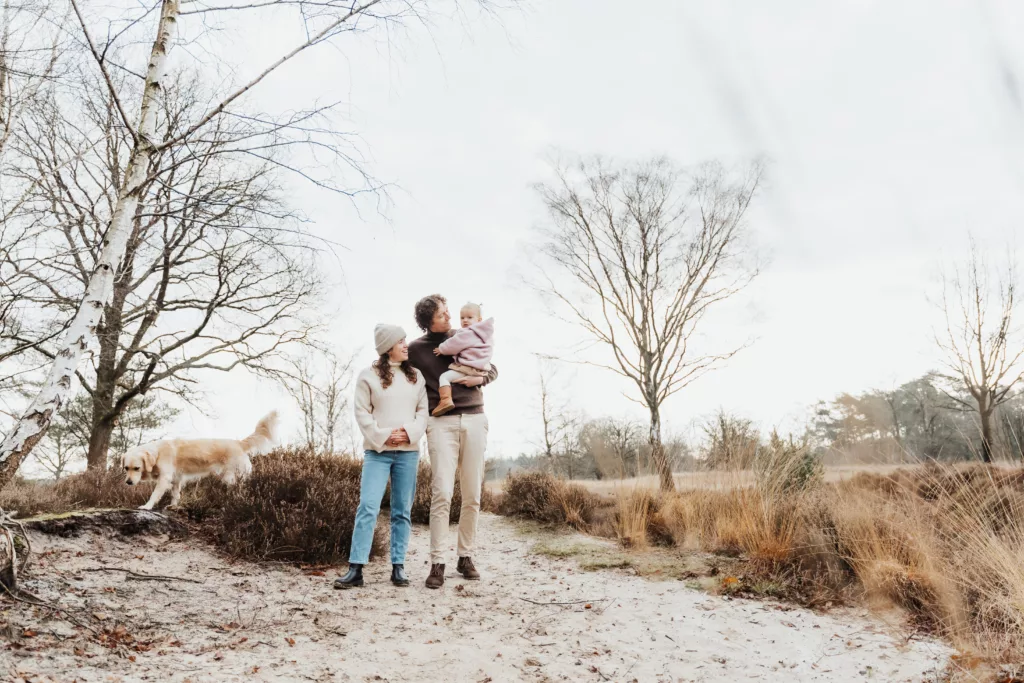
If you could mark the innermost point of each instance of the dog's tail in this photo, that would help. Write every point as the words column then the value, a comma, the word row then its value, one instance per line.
column 264, row 437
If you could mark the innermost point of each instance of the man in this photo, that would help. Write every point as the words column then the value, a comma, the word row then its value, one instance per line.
column 456, row 441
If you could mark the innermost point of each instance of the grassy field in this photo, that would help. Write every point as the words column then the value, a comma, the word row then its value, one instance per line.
column 688, row 481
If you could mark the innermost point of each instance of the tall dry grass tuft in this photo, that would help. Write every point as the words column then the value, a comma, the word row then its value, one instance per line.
column 633, row 517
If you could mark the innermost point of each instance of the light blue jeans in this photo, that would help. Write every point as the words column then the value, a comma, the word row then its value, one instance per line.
column 400, row 467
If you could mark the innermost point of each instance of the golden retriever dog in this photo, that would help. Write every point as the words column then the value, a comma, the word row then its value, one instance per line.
column 174, row 462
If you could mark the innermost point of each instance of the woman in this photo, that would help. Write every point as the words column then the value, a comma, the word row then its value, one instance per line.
column 391, row 409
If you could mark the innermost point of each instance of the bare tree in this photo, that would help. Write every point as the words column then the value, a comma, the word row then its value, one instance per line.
column 30, row 47
column 557, row 421
column 213, row 277
column 154, row 24
column 646, row 250
column 319, row 382
column 616, row 446
column 982, row 341
column 730, row 442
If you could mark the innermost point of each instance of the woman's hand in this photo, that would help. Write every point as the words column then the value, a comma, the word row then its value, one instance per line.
column 399, row 437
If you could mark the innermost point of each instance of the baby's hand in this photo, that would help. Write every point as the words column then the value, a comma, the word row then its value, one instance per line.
column 437, row 352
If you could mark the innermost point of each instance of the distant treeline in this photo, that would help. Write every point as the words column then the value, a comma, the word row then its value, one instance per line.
column 915, row 422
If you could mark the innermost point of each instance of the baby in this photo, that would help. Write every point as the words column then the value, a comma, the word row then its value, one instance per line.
column 472, row 347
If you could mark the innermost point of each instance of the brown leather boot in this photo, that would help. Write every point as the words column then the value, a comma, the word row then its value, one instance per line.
column 446, row 403
column 436, row 578
column 466, row 568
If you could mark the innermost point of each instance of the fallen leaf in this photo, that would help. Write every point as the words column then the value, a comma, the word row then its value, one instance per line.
column 28, row 633
column 99, row 616
column 131, row 658
column 588, row 606
column 291, row 642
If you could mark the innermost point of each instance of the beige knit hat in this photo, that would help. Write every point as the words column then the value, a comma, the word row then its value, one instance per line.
column 385, row 336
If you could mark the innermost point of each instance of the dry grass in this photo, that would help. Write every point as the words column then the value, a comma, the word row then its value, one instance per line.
column 714, row 479
column 944, row 543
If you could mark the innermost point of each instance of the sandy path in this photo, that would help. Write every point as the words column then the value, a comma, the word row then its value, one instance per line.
column 258, row 623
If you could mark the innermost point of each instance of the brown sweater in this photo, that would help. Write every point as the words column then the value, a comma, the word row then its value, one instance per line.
column 468, row 400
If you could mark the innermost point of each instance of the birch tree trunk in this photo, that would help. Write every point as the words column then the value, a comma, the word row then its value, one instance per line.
column 40, row 413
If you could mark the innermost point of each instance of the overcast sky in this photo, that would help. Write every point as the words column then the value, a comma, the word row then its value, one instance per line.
column 893, row 129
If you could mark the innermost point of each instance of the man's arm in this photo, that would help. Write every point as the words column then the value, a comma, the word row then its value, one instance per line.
column 492, row 375
column 474, row 381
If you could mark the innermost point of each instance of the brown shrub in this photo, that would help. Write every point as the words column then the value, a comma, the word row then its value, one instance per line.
column 27, row 498
column 75, row 492
column 295, row 506
column 529, row 495
column 97, row 489
column 540, row 497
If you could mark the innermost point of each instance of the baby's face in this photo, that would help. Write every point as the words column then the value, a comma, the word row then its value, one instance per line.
column 469, row 316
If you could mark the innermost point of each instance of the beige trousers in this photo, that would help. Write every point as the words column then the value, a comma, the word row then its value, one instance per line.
column 456, row 444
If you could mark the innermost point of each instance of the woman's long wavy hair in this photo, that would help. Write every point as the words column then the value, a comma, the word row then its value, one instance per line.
column 383, row 367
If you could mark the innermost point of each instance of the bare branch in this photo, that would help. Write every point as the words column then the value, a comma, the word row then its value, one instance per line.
column 642, row 260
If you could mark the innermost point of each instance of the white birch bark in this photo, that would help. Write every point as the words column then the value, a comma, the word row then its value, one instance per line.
column 40, row 413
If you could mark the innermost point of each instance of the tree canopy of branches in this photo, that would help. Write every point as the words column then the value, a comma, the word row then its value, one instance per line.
column 637, row 255
column 983, row 339
column 319, row 382
column 126, row 48
column 214, row 276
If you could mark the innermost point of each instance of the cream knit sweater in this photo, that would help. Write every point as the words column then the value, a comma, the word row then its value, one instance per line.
column 380, row 410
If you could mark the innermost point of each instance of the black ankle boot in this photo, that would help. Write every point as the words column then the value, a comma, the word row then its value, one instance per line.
column 354, row 578
column 398, row 576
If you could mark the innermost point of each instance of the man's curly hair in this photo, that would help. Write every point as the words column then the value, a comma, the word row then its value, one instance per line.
column 426, row 309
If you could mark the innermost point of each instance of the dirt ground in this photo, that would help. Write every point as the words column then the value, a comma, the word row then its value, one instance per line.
column 533, row 617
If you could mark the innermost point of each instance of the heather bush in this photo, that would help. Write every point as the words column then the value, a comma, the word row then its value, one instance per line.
column 75, row 492
column 295, row 506
column 540, row 497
